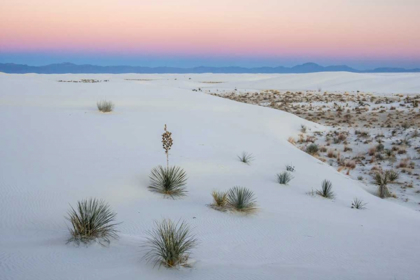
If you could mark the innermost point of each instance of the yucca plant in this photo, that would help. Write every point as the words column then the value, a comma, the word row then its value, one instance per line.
column 92, row 219
column 246, row 157
column 169, row 244
column 168, row 181
column 105, row 106
column 219, row 200
column 284, row 178
column 358, row 204
column 241, row 199
column 382, row 180
column 326, row 190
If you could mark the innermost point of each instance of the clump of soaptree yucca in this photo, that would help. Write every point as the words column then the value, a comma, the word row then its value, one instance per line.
column 169, row 180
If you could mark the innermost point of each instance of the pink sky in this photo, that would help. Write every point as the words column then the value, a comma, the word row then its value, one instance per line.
column 374, row 29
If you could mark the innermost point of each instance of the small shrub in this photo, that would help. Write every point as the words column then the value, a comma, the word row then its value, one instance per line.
column 380, row 147
column 241, row 200
column 290, row 168
column 358, row 204
column 219, row 199
column 326, row 190
column 169, row 244
column 393, row 175
column 360, row 178
column 303, row 128
column 246, row 158
column 92, row 219
column 284, row 178
column 312, row 149
column 168, row 181
column 105, row 106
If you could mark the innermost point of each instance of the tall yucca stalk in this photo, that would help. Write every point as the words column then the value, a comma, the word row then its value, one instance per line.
column 169, row 244
column 167, row 144
column 90, row 220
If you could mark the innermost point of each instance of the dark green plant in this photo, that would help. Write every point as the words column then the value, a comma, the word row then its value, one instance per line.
column 284, row 178
column 92, row 219
column 169, row 244
column 358, row 204
column 168, row 181
column 241, row 200
column 246, row 158
column 312, row 149
column 326, row 190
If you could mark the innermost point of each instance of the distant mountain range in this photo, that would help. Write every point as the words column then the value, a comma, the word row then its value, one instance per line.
column 70, row 68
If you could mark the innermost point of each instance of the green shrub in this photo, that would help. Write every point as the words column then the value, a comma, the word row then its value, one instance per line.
column 168, row 181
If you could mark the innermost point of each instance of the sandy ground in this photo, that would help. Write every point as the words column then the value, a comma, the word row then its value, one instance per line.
column 56, row 149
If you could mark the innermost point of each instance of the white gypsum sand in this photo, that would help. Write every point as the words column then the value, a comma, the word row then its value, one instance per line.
column 57, row 148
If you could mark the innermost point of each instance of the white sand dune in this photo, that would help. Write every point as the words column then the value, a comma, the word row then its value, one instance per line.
column 57, row 149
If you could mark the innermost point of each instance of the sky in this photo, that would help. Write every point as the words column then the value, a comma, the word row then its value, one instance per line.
column 186, row 33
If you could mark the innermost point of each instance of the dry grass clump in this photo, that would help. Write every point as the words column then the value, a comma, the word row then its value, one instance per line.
column 170, row 244
column 241, row 200
column 92, row 219
column 105, row 106
column 220, row 200
column 168, row 181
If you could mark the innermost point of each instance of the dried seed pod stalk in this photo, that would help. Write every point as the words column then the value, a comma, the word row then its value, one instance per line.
column 167, row 144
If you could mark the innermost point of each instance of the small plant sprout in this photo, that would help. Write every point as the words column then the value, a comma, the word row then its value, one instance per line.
column 92, row 220
column 241, row 200
column 167, row 143
column 168, row 181
column 303, row 128
column 284, row 178
column 105, row 106
column 358, row 204
column 326, row 190
column 246, row 158
column 169, row 244
column 290, row 168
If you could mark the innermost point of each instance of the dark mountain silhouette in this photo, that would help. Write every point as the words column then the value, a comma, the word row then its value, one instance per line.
column 64, row 68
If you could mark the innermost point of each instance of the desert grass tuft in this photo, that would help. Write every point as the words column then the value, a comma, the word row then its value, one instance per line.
column 105, row 106
column 169, row 181
column 92, row 220
column 284, row 178
column 246, row 158
column 241, row 199
column 358, row 204
column 326, row 190
column 169, row 244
